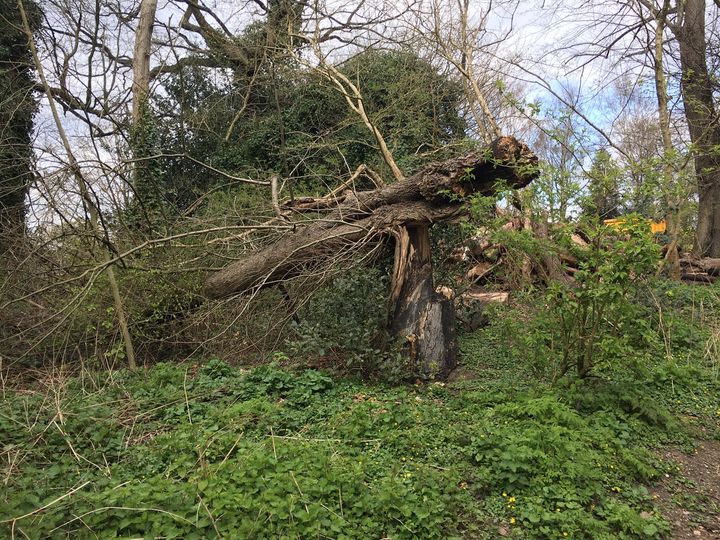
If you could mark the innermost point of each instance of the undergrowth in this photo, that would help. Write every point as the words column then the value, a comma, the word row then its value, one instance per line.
column 213, row 451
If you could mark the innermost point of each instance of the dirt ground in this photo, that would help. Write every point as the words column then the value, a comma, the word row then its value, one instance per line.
column 690, row 499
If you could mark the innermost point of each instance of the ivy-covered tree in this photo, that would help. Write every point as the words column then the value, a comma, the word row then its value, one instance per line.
column 18, row 106
column 289, row 121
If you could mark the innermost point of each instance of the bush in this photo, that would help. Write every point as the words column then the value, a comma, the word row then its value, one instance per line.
column 596, row 313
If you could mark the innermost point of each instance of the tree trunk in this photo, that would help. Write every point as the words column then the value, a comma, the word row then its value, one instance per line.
column 420, row 315
column 92, row 207
column 702, row 124
column 19, row 105
column 672, row 258
column 434, row 194
column 141, row 58
column 708, row 227
column 424, row 318
column 551, row 261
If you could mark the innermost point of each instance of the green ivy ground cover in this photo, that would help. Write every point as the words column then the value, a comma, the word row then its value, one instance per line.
column 208, row 450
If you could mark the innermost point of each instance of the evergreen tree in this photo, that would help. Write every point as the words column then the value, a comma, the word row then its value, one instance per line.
column 603, row 198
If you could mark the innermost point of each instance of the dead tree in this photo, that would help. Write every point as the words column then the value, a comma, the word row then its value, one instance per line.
column 406, row 209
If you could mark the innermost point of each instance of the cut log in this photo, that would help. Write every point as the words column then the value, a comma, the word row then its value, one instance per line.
column 472, row 306
column 479, row 271
column 708, row 265
column 486, row 297
column 698, row 278
column 579, row 240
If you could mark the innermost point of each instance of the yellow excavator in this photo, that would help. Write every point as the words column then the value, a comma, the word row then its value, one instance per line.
column 655, row 226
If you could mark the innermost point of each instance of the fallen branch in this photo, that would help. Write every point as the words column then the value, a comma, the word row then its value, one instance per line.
column 434, row 194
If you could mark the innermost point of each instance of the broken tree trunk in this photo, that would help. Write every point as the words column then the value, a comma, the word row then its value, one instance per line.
column 406, row 210
column 419, row 313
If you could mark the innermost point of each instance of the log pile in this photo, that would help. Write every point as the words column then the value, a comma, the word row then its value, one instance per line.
column 491, row 263
column 695, row 270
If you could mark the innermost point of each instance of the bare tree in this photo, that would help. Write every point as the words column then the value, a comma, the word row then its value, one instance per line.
column 630, row 29
column 85, row 194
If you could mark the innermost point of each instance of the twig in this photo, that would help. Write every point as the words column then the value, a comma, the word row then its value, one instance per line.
column 46, row 506
column 300, row 491
column 272, row 438
column 212, row 519
column 187, row 403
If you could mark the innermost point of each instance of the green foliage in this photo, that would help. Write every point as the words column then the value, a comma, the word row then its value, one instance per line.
column 287, row 115
column 598, row 305
column 246, row 455
column 213, row 451
column 560, row 147
column 552, row 466
column 345, row 321
column 149, row 202
column 208, row 451
column 603, row 198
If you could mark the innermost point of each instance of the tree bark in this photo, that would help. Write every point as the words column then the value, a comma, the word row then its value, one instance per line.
column 19, row 105
column 436, row 193
column 702, row 123
column 420, row 315
column 552, row 262
column 672, row 258
column 141, row 58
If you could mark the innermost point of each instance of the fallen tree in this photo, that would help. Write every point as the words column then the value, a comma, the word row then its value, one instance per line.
column 406, row 210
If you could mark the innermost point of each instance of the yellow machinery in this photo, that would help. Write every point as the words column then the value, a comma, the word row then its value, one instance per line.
column 655, row 226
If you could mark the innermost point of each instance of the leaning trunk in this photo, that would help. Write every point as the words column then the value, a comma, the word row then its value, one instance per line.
column 423, row 318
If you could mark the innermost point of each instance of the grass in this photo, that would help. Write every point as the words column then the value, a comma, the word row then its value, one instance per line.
column 213, row 451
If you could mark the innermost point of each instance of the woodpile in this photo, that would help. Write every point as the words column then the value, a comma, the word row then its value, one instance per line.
column 696, row 270
column 490, row 263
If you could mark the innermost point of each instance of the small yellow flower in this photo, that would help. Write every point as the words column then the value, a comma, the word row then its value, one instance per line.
column 504, row 494
column 512, row 521
column 512, row 499
column 564, row 534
